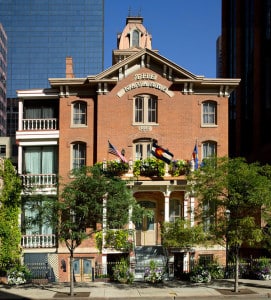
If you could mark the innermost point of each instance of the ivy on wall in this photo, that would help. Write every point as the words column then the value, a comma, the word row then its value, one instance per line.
column 10, row 202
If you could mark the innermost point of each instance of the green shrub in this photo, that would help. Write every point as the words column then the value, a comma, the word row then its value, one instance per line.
column 122, row 273
column 18, row 275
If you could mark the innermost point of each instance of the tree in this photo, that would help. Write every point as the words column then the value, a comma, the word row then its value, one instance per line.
column 10, row 201
column 231, row 185
column 82, row 206
column 182, row 235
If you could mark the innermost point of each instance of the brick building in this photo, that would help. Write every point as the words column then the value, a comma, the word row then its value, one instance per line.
column 143, row 98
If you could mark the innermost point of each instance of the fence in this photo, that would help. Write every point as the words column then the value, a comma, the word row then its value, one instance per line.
column 41, row 271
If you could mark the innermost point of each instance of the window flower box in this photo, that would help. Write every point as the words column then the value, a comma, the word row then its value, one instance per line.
column 113, row 168
column 149, row 167
column 179, row 168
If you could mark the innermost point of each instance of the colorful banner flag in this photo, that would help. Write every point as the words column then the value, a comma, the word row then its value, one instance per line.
column 114, row 151
column 195, row 157
column 161, row 153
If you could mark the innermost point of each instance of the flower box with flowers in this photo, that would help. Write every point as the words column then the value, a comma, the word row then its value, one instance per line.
column 149, row 167
column 178, row 168
column 113, row 167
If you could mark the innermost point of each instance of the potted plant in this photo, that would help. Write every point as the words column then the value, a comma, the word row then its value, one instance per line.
column 153, row 273
column 122, row 273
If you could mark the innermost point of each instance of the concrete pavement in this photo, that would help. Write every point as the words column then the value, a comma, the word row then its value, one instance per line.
column 172, row 290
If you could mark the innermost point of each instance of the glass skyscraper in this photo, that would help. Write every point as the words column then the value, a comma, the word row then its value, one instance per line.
column 3, row 75
column 246, row 54
column 42, row 33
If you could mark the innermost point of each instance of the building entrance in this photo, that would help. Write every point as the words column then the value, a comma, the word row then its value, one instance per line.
column 82, row 268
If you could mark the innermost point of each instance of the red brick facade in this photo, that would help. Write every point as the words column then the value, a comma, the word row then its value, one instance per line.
column 179, row 123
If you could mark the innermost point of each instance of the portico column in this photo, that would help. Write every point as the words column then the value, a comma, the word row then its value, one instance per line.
column 192, row 208
column 20, row 116
column 167, row 194
column 185, row 206
column 104, row 256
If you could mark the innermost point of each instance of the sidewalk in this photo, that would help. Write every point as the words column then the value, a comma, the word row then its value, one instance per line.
column 249, row 289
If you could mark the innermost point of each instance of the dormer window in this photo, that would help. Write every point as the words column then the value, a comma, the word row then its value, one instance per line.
column 135, row 38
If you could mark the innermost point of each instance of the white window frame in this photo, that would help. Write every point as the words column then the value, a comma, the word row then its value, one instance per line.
column 147, row 112
column 142, row 149
column 81, row 114
column 78, row 159
column 175, row 206
column 209, row 113
column 209, row 149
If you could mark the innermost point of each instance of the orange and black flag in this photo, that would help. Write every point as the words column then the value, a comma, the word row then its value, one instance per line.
column 161, row 153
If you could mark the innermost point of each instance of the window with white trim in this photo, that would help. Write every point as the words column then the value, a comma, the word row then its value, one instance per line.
column 175, row 210
column 79, row 113
column 209, row 149
column 78, row 155
column 145, row 109
column 209, row 113
column 142, row 149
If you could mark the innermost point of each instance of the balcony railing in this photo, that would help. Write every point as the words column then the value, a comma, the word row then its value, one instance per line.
column 40, row 124
column 39, row 180
column 38, row 241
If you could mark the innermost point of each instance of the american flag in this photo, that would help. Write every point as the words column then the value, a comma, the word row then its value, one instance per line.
column 114, row 151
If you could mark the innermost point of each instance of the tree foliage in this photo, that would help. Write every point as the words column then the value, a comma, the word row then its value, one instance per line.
column 10, row 197
column 182, row 235
column 232, row 185
column 84, row 201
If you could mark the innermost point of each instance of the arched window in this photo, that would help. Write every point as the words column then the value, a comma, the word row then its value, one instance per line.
column 78, row 155
column 147, row 223
column 135, row 39
column 142, row 148
column 209, row 113
column 209, row 149
column 145, row 109
column 79, row 115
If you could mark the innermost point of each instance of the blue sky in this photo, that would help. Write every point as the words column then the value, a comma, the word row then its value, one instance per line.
column 184, row 31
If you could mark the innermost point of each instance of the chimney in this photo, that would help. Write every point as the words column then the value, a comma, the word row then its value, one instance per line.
column 69, row 67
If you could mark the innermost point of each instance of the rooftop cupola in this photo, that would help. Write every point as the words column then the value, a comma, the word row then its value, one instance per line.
column 133, row 38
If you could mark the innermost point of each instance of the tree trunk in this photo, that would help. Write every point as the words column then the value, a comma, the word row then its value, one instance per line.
column 236, row 279
column 71, row 275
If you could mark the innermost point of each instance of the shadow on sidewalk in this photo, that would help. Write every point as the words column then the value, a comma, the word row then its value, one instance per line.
column 9, row 296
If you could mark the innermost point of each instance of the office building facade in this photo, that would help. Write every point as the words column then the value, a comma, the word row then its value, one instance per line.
column 41, row 34
column 246, row 54
column 3, row 78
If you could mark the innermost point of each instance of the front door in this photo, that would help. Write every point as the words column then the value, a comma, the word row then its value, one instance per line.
column 82, row 269
column 146, row 231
